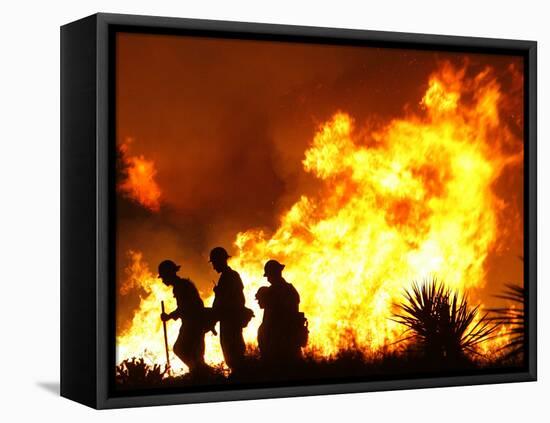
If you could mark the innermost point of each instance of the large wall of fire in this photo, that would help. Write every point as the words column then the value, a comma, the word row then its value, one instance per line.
column 362, row 169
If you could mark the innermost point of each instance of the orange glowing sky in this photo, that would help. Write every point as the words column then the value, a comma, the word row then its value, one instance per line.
column 220, row 128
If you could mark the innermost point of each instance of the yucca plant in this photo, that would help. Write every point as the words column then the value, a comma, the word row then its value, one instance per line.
column 514, row 320
column 441, row 321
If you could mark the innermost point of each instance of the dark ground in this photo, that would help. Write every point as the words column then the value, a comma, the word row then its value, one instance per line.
column 347, row 366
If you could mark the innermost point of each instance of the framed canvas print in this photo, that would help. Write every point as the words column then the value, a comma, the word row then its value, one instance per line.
column 254, row 211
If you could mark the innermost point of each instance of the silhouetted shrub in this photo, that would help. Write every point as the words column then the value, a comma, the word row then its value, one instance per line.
column 514, row 320
column 136, row 373
column 442, row 323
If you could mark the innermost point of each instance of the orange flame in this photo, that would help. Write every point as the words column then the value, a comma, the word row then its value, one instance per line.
column 139, row 184
column 145, row 336
column 399, row 203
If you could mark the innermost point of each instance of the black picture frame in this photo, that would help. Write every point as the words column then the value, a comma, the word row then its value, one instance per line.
column 87, row 192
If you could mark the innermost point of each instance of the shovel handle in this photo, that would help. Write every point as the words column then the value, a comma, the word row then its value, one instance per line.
column 165, row 337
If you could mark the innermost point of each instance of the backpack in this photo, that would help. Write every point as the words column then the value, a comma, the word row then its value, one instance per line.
column 246, row 316
column 302, row 330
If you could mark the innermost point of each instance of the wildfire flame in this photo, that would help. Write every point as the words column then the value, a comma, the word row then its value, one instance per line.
column 398, row 203
column 139, row 183
column 144, row 339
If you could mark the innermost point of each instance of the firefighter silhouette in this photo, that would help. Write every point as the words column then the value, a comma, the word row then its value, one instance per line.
column 229, row 308
column 189, row 346
column 283, row 331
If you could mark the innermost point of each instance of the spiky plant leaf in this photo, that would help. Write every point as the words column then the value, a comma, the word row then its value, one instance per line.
column 513, row 319
column 442, row 321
